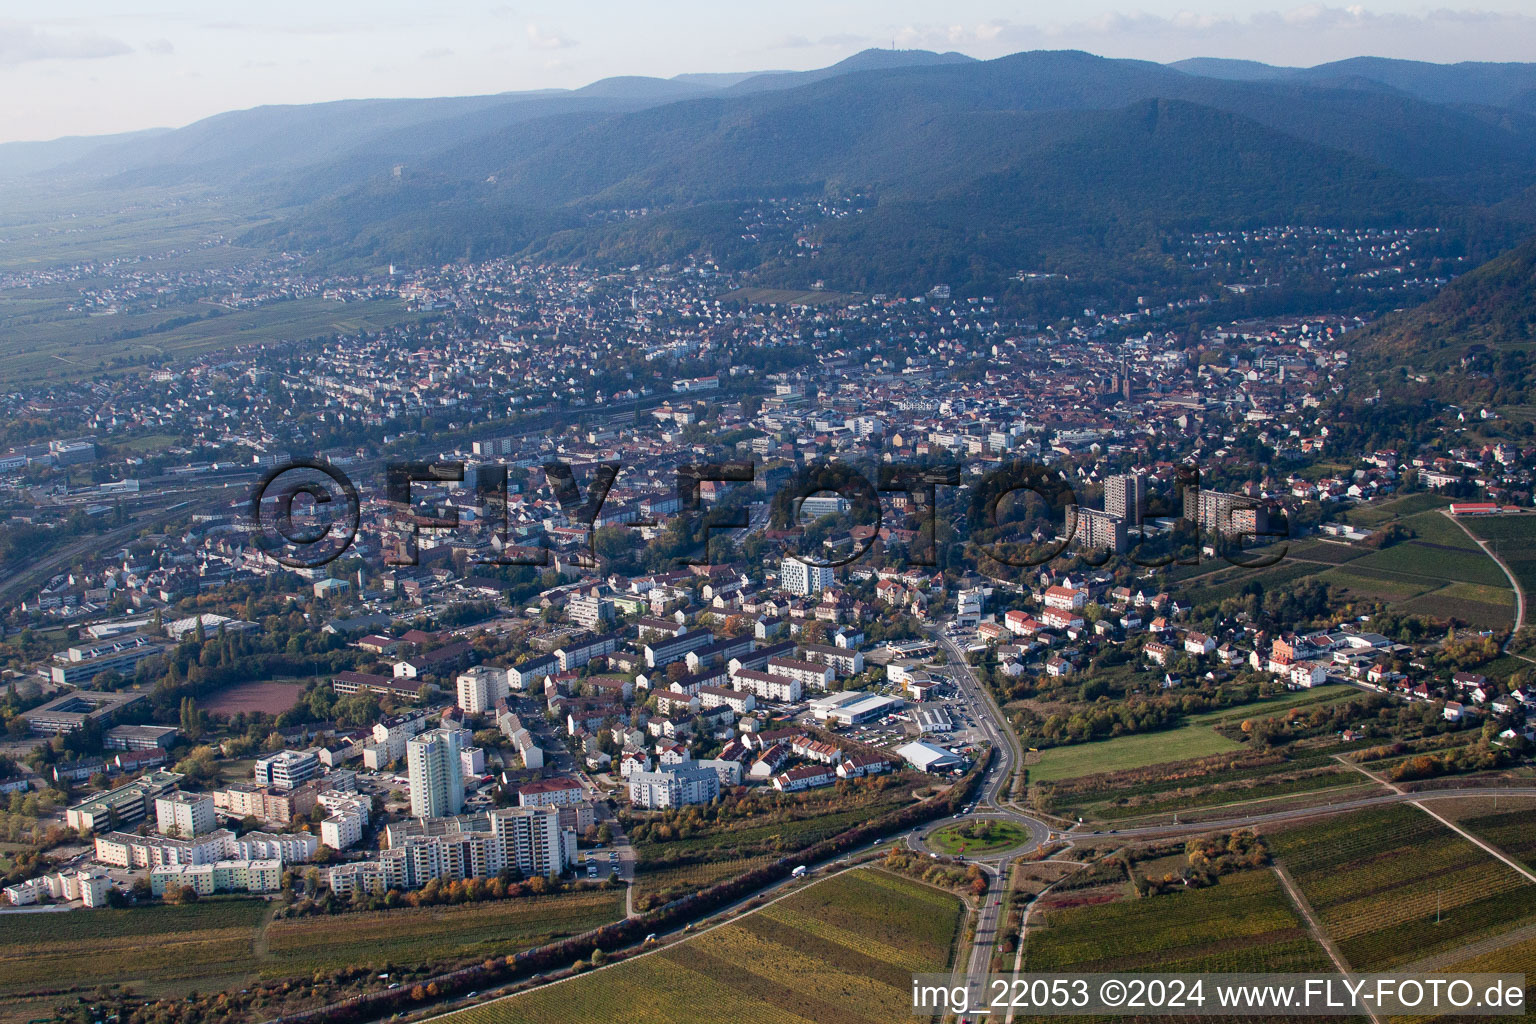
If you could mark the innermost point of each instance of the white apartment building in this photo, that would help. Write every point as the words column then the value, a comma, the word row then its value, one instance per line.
column 389, row 739
column 673, row 786
column 348, row 818
column 125, row 850
column 480, row 688
column 221, row 876
column 436, row 774
column 287, row 769
column 529, row 839
column 808, row 673
column 765, row 686
column 1125, row 497
column 184, row 815
column 738, row 701
column 799, row 577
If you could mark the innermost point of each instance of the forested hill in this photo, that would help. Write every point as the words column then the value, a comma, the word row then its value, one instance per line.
column 964, row 172
column 941, row 169
column 1473, row 340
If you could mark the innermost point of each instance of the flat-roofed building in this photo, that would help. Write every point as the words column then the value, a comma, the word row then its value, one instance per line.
column 68, row 712
column 140, row 737
column 286, row 769
column 125, row 806
column 80, row 664
column 184, row 814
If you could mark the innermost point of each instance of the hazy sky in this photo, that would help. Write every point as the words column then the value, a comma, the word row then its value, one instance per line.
column 90, row 66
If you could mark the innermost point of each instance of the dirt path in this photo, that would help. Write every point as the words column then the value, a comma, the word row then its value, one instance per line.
column 1315, row 927
column 260, row 946
column 1448, row 823
column 1475, row 841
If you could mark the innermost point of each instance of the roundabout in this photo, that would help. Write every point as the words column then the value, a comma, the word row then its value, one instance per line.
column 977, row 837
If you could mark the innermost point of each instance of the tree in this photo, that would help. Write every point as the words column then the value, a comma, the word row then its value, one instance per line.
column 191, row 719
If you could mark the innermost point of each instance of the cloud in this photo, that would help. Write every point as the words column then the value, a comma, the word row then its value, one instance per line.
column 161, row 47
column 21, row 44
column 541, row 40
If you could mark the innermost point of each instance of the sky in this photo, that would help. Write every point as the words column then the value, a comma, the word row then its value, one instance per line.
column 85, row 67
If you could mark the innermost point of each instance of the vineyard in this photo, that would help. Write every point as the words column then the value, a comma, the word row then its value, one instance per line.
column 1245, row 923
column 1202, row 781
column 841, row 952
column 433, row 935
column 669, row 883
column 1511, row 832
column 800, row 825
column 1379, row 880
column 156, row 949
column 1514, row 538
column 1515, row 958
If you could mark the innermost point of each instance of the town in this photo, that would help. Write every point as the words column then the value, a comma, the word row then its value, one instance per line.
column 551, row 668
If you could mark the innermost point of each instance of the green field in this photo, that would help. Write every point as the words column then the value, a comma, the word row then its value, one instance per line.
column 1368, row 517
column 1513, row 538
column 72, row 345
column 1515, row 958
column 1379, row 879
column 786, row 297
column 674, row 882
column 1196, row 738
column 1439, row 572
column 840, row 952
column 792, row 824
column 1509, row 831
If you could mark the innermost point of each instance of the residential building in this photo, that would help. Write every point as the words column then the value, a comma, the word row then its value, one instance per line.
column 799, row 577
column 1125, row 498
column 673, row 786
column 184, row 814
column 436, row 774
column 287, row 769
column 480, row 688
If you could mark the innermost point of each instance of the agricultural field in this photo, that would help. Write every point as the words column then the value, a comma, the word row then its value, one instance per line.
column 1369, row 517
column 168, row 951
column 1513, row 538
column 1240, row 776
column 1195, row 738
column 1510, row 831
column 1512, row 958
column 1393, row 885
column 1438, row 572
column 1244, row 923
column 674, row 882
column 787, row 826
column 36, row 343
column 786, row 297
column 433, row 934
column 159, row 950
column 840, row 952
